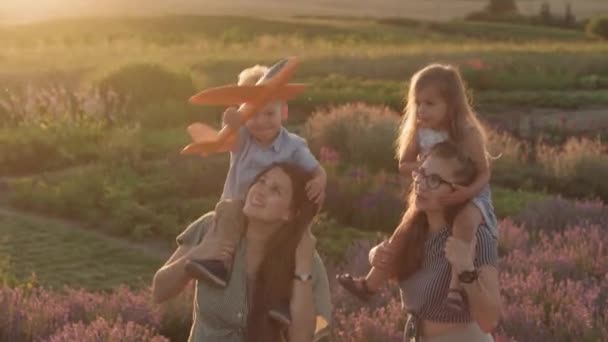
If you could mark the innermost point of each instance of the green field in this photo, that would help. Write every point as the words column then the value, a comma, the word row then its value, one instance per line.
column 58, row 255
column 68, row 153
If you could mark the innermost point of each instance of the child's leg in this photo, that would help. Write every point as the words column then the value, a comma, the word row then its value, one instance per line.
column 222, row 237
column 464, row 227
column 376, row 277
column 228, row 228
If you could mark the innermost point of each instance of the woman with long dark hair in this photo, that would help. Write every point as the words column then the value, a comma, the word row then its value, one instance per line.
column 275, row 264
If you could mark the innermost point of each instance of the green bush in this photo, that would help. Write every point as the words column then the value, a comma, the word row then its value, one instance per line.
column 594, row 82
column 144, row 84
column 154, row 200
column 35, row 148
column 361, row 134
column 372, row 202
column 7, row 278
column 509, row 158
column 598, row 27
column 39, row 147
column 498, row 10
column 576, row 168
column 509, row 203
column 174, row 113
column 333, row 239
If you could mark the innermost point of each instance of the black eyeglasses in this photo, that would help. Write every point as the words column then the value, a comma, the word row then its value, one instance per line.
column 432, row 181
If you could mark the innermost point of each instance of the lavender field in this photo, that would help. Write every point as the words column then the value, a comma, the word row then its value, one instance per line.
column 93, row 190
column 553, row 279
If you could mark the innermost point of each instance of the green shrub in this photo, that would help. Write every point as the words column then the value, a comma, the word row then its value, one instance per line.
column 598, row 27
column 576, row 168
column 498, row 10
column 174, row 113
column 155, row 200
column 35, row 148
column 361, row 134
column 368, row 201
column 594, row 81
column 40, row 147
column 333, row 239
column 508, row 159
column 509, row 203
column 144, row 84
column 7, row 278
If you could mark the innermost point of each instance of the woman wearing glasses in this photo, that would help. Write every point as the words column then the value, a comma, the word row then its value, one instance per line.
column 421, row 255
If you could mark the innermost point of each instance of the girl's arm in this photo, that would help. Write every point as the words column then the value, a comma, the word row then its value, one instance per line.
column 408, row 161
column 475, row 147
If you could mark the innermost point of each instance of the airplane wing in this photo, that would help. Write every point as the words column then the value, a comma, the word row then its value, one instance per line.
column 235, row 95
column 201, row 132
column 207, row 140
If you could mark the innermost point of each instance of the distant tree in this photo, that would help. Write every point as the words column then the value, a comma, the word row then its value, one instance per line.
column 501, row 7
column 598, row 27
column 569, row 19
column 545, row 13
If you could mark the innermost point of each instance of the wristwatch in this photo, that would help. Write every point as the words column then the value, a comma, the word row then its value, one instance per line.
column 468, row 277
column 302, row 277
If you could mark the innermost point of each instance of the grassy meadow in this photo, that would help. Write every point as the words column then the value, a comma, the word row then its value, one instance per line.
column 93, row 190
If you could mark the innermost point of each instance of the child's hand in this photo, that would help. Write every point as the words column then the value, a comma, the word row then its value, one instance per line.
column 232, row 117
column 315, row 189
column 460, row 195
column 422, row 156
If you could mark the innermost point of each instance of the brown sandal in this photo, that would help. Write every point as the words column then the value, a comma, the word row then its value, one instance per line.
column 356, row 286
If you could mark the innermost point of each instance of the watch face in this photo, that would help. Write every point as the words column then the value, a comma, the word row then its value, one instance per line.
column 467, row 276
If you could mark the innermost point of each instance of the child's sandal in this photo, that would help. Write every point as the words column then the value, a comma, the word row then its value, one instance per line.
column 357, row 287
column 213, row 272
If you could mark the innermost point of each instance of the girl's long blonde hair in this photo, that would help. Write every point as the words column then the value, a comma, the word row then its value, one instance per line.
column 451, row 87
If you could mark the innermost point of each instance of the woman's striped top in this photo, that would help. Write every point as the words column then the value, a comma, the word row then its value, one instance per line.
column 424, row 292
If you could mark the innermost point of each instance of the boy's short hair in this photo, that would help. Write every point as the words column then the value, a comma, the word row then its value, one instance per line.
column 252, row 75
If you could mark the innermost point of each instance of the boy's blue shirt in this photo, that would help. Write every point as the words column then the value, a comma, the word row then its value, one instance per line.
column 250, row 158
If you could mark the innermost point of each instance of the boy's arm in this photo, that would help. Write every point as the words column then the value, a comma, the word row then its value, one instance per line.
column 408, row 160
column 232, row 118
column 319, row 173
column 305, row 159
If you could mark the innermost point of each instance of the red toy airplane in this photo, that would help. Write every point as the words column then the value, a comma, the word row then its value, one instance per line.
column 272, row 86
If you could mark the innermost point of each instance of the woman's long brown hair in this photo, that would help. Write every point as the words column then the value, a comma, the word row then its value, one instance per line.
column 413, row 229
column 274, row 281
